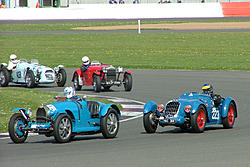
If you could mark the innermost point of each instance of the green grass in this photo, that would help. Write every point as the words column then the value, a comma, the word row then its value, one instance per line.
column 69, row 26
column 190, row 51
column 25, row 98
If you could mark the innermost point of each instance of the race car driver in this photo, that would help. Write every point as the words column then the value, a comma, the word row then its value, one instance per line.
column 208, row 89
column 86, row 63
column 13, row 62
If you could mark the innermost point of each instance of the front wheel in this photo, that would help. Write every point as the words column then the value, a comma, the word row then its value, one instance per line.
column 97, row 83
column 30, row 79
column 4, row 77
column 150, row 123
column 63, row 128
column 228, row 122
column 198, row 120
column 77, row 86
column 61, row 77
column 16, row 123
column 128, row 82
column 110, row 124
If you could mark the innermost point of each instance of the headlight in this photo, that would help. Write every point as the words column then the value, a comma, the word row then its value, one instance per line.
column 56, row 69
column 104, row 69
column 28, row 113
column 188, row 108
column 119, row 69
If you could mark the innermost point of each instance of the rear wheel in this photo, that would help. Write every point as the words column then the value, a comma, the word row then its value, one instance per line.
column 150, row 123
column 16, row 133
column 76, row 82
column 198, row 120
column 97, row 83
column 61, row 77
column 110, row 124
column 128, row 82
column 228, row 122
column 30, row 79
column 4, row 77
column 63, row 128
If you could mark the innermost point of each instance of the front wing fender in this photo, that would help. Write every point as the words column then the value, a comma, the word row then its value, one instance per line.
column 149, row 107
column 105, row 109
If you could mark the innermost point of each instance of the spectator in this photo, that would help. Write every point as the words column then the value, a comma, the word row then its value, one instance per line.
column 202, row 1
column 121, row 2
column 136, row 1
column 3, row 5
column 112, row 2
column 178, row 1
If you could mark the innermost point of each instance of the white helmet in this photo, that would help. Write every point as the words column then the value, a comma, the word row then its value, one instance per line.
column 13, row 57
column 69, row 92
column 85, row 60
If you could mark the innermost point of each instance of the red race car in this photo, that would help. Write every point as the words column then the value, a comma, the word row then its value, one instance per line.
column 98, row 75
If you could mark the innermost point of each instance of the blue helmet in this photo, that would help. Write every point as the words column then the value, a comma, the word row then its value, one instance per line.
column 207, row 89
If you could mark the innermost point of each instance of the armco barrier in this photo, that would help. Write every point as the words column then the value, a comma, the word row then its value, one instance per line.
column 235, row 9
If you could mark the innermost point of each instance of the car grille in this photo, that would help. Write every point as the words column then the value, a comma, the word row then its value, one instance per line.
column 49, row 74
column 172, row 108
column 111, row 75
column 40, row 115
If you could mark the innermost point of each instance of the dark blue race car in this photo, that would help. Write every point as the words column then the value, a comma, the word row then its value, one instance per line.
column 66, row 118
column 191, row 110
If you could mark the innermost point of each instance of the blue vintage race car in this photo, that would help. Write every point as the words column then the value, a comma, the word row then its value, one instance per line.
column 31, row 74
column 66, row 118
column 191, row 110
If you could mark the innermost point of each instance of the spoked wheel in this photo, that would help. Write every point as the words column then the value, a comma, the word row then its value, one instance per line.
column 4, row 77
column 30, row 79
column 63, row 128
column 16, row 123
column 150, row 123
column 228, row 122
column 128, row 82
column 76, row 82
column 97, row 83
column 110, row 124
column 61, row 77
column 198, row 120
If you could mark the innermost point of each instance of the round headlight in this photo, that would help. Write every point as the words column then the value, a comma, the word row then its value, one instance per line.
column 104, row 69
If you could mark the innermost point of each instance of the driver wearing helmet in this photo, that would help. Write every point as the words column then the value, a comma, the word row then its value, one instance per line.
column 69, row 92
column 208, row 89
column 13, row 62
column 85, row 63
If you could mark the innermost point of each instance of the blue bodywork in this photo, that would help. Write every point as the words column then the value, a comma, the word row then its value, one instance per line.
column 83, row 119
column 214, row 114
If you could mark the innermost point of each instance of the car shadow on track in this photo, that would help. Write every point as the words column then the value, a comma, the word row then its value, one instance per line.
column 181, row 131
column 51, row 140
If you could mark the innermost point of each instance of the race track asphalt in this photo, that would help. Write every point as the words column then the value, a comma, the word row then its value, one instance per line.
column 133, row 147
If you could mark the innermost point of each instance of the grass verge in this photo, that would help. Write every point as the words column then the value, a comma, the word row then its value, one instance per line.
column 26, row 98
column 188, row 51
column 69, row 26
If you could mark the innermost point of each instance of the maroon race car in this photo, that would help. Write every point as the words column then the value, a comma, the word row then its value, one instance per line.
column 98, row 75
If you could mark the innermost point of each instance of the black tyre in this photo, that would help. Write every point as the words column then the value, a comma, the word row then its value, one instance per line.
column 4, row 77
column 16, row 133
column 150, row 123
column 128, row 82
column 198, row 120
column 63, row 128
column 110, row 124
column 61, row 77
column 30, row 79
column 97, row 83
column 228, row 122
column 76, row 82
